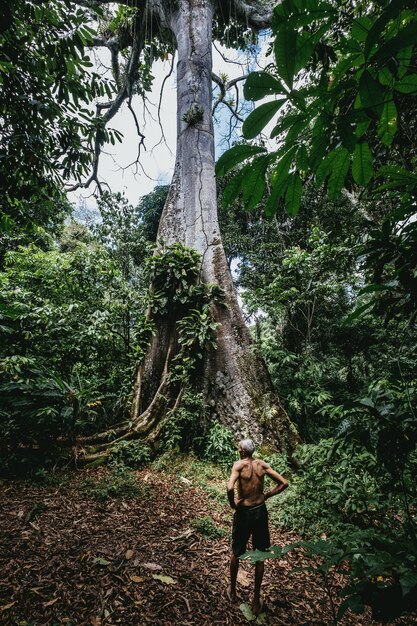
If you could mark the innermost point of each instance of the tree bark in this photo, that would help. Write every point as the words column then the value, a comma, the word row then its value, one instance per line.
column 236, row 383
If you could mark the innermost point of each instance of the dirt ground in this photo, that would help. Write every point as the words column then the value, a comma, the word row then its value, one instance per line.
column 68, row 558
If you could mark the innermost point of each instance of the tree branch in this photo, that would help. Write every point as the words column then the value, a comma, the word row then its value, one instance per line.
column 224, row 87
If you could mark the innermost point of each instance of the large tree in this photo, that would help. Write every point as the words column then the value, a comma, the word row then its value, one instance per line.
column 236, row 384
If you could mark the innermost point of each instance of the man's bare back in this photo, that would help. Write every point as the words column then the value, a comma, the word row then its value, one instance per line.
column 249, row 474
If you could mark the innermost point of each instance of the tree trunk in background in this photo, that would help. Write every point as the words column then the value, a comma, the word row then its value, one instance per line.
column 236, row 383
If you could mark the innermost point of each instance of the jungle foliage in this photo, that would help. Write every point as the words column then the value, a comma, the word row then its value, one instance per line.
column 324, row 234
column 328, row 267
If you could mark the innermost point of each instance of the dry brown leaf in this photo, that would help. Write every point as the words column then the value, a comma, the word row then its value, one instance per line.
column 243, row 578
column 152, row 566
column 7, row 606
column 50, row 602
column 129, row 554
column 137, row 579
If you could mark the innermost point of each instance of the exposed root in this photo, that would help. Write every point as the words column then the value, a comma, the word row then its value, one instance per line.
column 144, row 426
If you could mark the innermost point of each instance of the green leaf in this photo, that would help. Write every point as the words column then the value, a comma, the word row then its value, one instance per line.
column 340, row 167
column 271, row 205
column 254, row 182
column 390, row 12
column 371, row 95
column 362, row 164
column 325, row 167
column 387, row 126
column 234, row 186
column 404, row 59
column 234, row 156
column 259, row 118
column 293, row 195
column 302, row 158
column 361, row 27
column 405, row 38
column 261, row 84
column 408, row 581
column 408, row 84
column 295, row 131
column 385, row 76
column 285, row 47
column 285, row 122
column 247, row 612
column 99, row 560
column 164, row 579
column 282, row 167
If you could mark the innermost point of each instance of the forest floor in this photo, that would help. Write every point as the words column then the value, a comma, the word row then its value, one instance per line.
column 94, row 548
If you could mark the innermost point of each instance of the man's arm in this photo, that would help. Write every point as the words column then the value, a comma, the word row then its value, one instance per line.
column 277, row 478
column 234, row 502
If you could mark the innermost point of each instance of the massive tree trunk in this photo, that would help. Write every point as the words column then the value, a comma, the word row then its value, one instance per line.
column 237, row 387
column 235, row 382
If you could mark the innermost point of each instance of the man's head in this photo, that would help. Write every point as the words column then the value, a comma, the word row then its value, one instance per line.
column 246, row 448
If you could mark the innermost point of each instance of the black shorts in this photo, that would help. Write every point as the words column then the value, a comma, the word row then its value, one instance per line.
column 249, row 521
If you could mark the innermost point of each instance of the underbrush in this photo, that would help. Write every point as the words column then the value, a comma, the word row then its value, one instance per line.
column 118, row 483
column 357, row 518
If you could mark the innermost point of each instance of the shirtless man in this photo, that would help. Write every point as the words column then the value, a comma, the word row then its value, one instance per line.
column 251, row 515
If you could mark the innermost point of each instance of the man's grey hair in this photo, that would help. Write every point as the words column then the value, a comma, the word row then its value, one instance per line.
column 247, row 446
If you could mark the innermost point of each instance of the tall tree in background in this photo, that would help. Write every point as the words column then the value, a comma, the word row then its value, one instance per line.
column 236, row 383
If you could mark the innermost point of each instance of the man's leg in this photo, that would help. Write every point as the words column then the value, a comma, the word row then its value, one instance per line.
column 259, row 574
column 234, row 568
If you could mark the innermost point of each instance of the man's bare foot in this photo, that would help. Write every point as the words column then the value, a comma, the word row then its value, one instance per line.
column 257, row 606
column 231, row 594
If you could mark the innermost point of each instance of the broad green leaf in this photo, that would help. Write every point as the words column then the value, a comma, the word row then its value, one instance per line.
column 397, row 177
column 234, row 186
column 297, row 14
column 302, row 159
column 254, row 182
column 387, row 126
column 259, row 118
column 361, row 27
column 362, row 164
column 408, row 84
column 305, row 48
column 385, row 76
column 261, row 84
column 277, row 192
column 164, row 579
column 340, row 167
column 361, row 128
column 285, row 121
column 282, row 168
column 318, row 150
column 295, row 131
column 285, row 47
column 293, row 195
column 325, row 168
column 234, row 156
column 405, row 38
column 404, row 58
column 247, row 612
column 391, row 11
column 371, row 94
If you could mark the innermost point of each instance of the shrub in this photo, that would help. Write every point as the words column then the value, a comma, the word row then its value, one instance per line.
column 221, row 445
column 131, row 454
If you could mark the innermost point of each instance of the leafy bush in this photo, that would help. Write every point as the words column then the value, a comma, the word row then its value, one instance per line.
column 182, row 429
column 221, row 445
column 119, row 483
column 207, row 527
column 131, row 454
